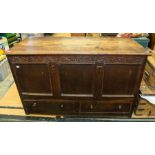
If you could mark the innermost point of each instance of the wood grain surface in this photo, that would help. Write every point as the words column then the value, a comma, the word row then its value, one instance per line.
column 76, row 45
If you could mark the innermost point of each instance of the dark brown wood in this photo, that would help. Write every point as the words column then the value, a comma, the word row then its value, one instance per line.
column 77, row 79
column 99, row 81
column 108, row 105
column 59, row 107
column 78, row 76
column 32, row 78
column 120, row 79
column 55, row 79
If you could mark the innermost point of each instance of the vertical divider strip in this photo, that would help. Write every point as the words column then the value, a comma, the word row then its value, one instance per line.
column 99, row 81
column 55, row 80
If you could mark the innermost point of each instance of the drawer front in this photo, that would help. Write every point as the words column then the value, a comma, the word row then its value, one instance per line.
column 51, row 107
column 106, row 108
column 108, row 105
column 68, row 107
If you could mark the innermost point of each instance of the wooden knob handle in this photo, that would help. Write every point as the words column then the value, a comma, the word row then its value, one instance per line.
column 120, row 107
column 17, row 66
column 91, row 106
column 34, row 104
column 61, row 105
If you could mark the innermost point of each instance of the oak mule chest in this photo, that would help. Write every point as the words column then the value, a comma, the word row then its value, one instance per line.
column 78, row 76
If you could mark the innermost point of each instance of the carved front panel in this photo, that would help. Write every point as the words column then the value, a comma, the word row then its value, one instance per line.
column 78, row 59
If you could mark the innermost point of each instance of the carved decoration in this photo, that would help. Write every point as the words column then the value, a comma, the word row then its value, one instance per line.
column 77, row 59
column 124, row 60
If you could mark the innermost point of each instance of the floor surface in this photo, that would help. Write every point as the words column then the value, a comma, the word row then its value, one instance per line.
column 5, row 85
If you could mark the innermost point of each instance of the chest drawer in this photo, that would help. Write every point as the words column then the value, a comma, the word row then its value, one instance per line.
column 51, row 107
column 105, row 108
column 109, row 105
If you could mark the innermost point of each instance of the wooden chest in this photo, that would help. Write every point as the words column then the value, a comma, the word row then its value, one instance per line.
column 78, row 76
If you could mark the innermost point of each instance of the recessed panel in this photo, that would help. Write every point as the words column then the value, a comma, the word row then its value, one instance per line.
column 77, row 79
column 120, row 79
column 33, row 78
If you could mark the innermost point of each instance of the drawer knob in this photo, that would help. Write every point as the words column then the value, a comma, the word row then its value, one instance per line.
column 120, row 107
column 34, row 104
column 91, row 106
column 61, row 106
column 17, row 66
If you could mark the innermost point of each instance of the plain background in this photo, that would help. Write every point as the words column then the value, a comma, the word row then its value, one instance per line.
column 66, row 16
